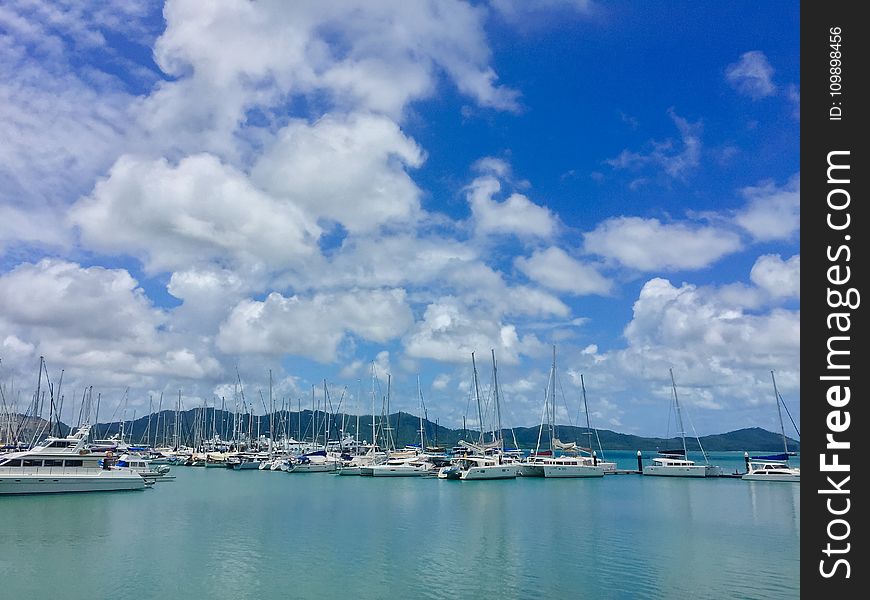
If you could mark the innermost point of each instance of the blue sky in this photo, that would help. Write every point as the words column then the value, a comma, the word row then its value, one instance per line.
column 332, row 190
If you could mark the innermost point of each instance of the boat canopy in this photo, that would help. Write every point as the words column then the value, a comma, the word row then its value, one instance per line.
column 781, row 456
column 560, row 445
column 676, row 452
column 314, row 453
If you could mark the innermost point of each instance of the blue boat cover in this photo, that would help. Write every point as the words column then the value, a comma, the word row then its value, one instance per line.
column 677, row 452
column 782, row 456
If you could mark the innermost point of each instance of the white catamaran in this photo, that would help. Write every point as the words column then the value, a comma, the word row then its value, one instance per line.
column 545, row 463
column 487, row 460
column 675, row 463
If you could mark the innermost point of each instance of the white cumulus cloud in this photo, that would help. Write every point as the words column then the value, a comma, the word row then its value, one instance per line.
column 93, row 320
column 650, row 245
column 772, row 212
column 314, row 326
column 200, row 210
column 348, row 170
column 517, row 215
column 555, row 269
column 779, row 278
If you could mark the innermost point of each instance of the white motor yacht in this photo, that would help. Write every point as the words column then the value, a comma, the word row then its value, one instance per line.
column 63, row 465
column 771, row 468
column 137, row 464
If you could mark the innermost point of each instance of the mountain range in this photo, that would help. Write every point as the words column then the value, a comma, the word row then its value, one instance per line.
column 195, row 424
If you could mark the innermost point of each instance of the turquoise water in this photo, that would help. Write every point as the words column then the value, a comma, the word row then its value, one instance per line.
column 216, row 533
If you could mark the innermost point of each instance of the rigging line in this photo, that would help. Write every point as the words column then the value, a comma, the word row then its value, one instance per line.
column 564, row 400
column 671, row 410
column 789, row 415
column 698, row 439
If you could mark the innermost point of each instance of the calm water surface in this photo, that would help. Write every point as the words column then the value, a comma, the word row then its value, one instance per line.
column 216, row 533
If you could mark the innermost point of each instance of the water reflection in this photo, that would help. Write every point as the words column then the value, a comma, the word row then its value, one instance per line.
column 224, row 534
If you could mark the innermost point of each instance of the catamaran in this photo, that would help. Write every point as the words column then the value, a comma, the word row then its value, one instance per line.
column 546, row 463
column 486, row 460
column 675, row 463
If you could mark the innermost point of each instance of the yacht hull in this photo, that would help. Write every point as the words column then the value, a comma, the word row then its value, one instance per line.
column 681, row 471
column 566, row 471
column 490, row 472
column 530, row 471
column 781, row 477
column 313, row 468
column 398, row 471
column 67, row 480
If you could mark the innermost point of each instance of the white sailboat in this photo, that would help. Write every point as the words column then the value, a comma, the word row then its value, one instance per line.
column 675, row 463
column 318, row 460
column 773, row 467
column 416, row 464
column 547, row 463
column 488, row 461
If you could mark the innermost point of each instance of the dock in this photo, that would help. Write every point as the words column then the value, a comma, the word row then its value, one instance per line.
column 734, row 475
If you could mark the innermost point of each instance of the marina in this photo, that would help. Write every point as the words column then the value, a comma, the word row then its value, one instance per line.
column 390, row 300
column 613, row 534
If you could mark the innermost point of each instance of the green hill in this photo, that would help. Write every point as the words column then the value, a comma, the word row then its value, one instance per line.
column 405, row 427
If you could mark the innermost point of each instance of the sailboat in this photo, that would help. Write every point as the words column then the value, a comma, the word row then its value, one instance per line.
column 318, row 460
column 414, row 465
column 773, row 467
column 546, row 463
column 675, row 463
column 484, row 460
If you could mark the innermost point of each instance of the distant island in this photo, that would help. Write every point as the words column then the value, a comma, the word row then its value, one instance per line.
column 197, row 423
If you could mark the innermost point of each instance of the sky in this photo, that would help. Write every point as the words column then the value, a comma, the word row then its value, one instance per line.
column 194, row 195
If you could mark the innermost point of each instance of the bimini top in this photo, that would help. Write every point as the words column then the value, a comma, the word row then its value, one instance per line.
column 781, row 456
column 676, row 452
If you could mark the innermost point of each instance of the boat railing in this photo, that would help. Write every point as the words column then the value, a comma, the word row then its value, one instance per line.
column 48, row 471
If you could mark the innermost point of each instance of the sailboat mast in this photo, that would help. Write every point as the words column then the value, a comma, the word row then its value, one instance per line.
column 497, row 404
column 390, row 439
column 477, row 396
column 586, row 407
column 358, row 408
column 420, row 394
column 679, row 414
column 326, row 416
column 551, row 414
column 373, row 408
column 779, row 412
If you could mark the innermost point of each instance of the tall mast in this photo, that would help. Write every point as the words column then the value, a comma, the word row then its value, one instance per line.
column 779, row 412
column 679, row 415
column 327, row 418
column 390, row 439
column 586, row 406
column 551, row 414
column 373, row 408
column 477, row 396
column 420, row 394
column 150, row 410
column 497, row 406
column 358, row 409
